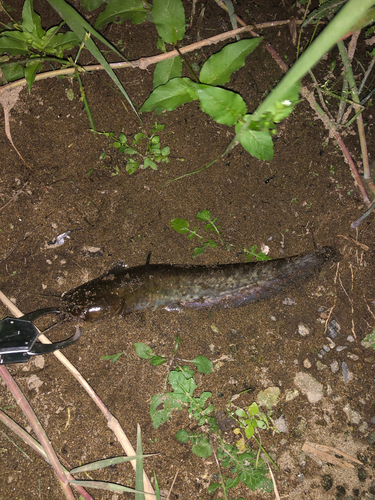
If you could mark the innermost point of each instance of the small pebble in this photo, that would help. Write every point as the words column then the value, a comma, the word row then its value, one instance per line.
column 350, row 338
column 332, row 345
column 273, row 318
column 354, row 357
column 331, row 331
column 326, row 348
column 320, row 366
column 335, row 367
column 321, row 308
column 335, row 325
column 322, row 352
column 340, row 348
column 288, row 301
column 303, row 330
column 345, row 372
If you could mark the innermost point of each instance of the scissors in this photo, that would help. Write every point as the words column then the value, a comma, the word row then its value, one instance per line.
column 18, row 338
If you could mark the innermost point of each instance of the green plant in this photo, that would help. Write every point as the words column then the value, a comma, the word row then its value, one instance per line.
column 182, row 227
column 245, row 465
column 369, row 341
column 152, row 155
column 259, row 256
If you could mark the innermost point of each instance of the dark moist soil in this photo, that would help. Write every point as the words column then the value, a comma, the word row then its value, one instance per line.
column 305, row 194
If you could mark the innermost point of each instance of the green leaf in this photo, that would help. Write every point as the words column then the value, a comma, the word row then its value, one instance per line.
column 30, row 72
column 182, row 436
column 240, row 413
column 31, row 21
column 253, row 409
column 101, row 485
column 199, row 251
column 101, row 464
column 249, row 431
column 202, row 448
column 157, row 360
column 91, row 5
column 166, row 70
column 213, row 487
column 12, row 71
column 204, row 216
column 165, row 151
column 232, row 483
column 144, row 351
column 149, row 163
column 218, row 68
column 14, row 43
column 256, row 142
column 224, row 106
column 123, row 9
column 171, row 95
column 60, row 42
column 112, row 357
column 131, row 166
column 179, row 225
column 203, row 364
column 169, row 19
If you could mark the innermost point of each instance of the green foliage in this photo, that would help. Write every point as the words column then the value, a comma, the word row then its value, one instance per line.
column 369, row 341
column 259, row 256
column 144, row 351
column 134, row 10
column 112, row 357
column 245, row 466
column 182, row 227
column 169, row 19
column 29, row 38
column 151, row 155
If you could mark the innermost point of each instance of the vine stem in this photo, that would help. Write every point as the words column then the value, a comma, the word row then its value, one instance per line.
column 144, row 62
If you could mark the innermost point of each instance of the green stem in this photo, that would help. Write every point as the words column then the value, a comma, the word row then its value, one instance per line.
column 86, row 104
column 361, row 129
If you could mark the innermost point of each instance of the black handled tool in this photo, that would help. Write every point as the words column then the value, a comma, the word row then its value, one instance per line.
column 18, row 338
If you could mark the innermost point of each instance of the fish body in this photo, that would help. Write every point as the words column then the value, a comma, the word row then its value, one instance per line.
column 124, row 290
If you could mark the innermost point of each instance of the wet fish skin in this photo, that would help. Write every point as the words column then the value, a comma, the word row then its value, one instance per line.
column 122, row 290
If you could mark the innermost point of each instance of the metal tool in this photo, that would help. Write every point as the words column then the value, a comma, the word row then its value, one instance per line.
column 18, row 338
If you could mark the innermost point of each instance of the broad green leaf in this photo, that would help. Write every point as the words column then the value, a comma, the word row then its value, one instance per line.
column 253, row 409
column 62, row 41
column 30, row 72
column 12, row 71
column 149, row 163
column 123, row 9
column 203, row 364
column 14, row 43
column 204, row 216
column 171, row 95
column 224, row 106
column 91, row 4
column 157, row 360
column 281, row 109
column 232, row 483
column 168, row 403
column 182, row 436
column 213, row 487
column 256, row 142
column 31, row 21
column 218, row 68
column 166, row 70
column 202, row 448
column 144, row 351
column 169, row 19
column 131, row 166
column 179, row 225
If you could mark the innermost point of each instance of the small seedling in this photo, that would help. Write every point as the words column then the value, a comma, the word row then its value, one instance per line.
column 252, row 253
column 151, row 155
column 112, row 357
column 182, row 227
column 369, row 341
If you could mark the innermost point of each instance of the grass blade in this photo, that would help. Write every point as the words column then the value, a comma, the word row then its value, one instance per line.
column 139, row 467
column 81, row 27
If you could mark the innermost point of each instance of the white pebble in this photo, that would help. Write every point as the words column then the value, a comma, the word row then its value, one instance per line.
column 303, row 330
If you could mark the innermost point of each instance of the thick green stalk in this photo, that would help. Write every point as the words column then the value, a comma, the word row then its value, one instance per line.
column 341, row 24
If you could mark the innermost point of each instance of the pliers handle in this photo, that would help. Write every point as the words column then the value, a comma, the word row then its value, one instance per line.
column 18, row 338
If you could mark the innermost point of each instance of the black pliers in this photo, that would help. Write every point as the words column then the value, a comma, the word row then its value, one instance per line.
column 18, row 338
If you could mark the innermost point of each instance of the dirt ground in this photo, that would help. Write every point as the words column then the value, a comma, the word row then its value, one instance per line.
column 306, row 193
